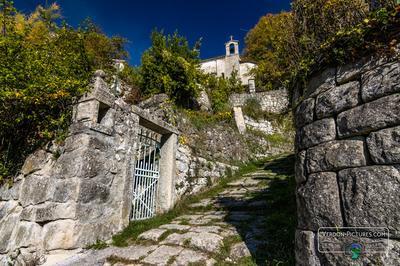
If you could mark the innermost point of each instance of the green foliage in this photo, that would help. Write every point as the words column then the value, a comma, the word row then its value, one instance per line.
column 289, row 47
column 268, row 44
column 200, row 120
column 171, row 66
column 43, row 68
column 252, row 108
column 98, row 245
column 219, row 89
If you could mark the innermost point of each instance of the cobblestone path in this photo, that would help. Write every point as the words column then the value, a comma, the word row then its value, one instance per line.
column 228, row 229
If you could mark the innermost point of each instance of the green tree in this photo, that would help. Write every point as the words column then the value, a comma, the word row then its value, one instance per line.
column 171, row 66
column 43, row 68
column 7, row 16
column 268, row 44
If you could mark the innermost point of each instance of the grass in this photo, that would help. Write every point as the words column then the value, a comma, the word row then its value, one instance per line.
column 98, row 245
column 281, row 216
column 130, row 234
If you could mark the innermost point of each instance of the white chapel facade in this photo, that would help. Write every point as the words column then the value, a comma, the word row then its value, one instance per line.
column 224, row 66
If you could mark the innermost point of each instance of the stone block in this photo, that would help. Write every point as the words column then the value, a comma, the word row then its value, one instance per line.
column 27, row 234
column 338, row 99
column 350, row 72
column 316, row 133
column 35, row 190
column 87, row 111
column 305, row 112
column 59, row 235
column 76, row 142
column 8, row 223
column 83, row 163
column 318, row 202
column 65, row 190
column 384, row 146
column 371, row 116
column 300, row 170
column 49, row 211
column 381, row 81
column 91, row 191
column 153, row 234
column 371, row 196
column 321, row 82
column 305, row 248
column 336, row 155
column 35, row 162
column 12, row 192
column 162, row 254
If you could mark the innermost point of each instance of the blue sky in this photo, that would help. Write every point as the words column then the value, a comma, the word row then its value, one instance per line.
column 213, row 20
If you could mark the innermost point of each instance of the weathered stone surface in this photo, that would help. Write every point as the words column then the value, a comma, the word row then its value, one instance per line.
column 318, row 202
column 204, row 102
column 153, row 234
column 335, row 155
column 381, row 81
column 300, row 167
column 349, row 72
column 261, row 125
column 26, row 234
column 82, row 163
column 65, row 190
column 175, row 227
column 206, row 229
column 91, row 191
column 239, row 119
column 369, row 193
column 337, row 99
column 187, row 257
column 9, row 218
column 371, row 116
column 161, row 255
column 239, row 250
column 273, row 101
column 206, row 241
column 316, row 133
column 8, row 192
column 305, row 112
column 384, row 146
column 35, row 161
column 321, row 82
column 49, row 211
column 59, row 235
column 35, row 190
column 305, row 248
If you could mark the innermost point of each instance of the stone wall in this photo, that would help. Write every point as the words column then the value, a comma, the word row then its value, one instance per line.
column 194, row 173
column 275, row 101
column 348, row 158
column 70, row 195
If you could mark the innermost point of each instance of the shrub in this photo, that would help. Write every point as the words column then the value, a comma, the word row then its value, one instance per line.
column 252, row 108
column 289, row 47
column 220, row 89
column 171, row 66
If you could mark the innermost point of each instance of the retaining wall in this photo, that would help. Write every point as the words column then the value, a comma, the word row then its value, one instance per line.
column 348, row 160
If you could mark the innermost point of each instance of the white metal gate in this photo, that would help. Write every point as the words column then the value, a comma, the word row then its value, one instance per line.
column 146, row 174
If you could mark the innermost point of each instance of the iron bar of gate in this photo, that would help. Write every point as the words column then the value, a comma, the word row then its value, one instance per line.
column 146, row 175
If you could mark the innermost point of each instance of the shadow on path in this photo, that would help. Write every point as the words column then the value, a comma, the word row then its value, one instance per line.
column 263, row 211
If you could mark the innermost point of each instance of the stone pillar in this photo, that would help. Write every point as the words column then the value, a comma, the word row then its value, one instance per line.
column 348, row 162
column 167, row 172
column 239, row 119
